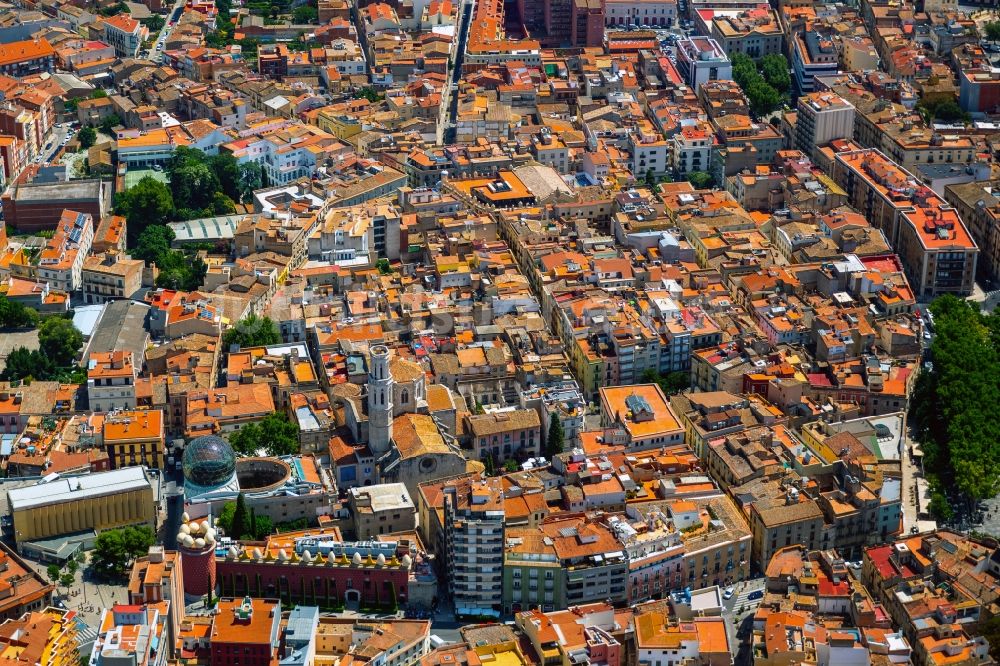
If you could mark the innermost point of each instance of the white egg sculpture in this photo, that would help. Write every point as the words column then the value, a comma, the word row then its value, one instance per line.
column 357, row 558
column 232, row 553
column 407, row 561
column 205, row 525
column 185, row 517
column 381, row 560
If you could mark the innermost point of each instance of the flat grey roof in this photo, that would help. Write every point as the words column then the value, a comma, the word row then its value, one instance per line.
column 76, row 488
column 122, row 327
column 64, row 191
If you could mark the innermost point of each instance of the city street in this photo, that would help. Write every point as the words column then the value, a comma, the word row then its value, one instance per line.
column 53, row 145
column 156, row 55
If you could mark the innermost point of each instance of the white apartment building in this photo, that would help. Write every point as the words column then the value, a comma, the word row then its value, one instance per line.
column 60, row 262
column 650, row 152
column 125, row 34
column 692, row 149
column 111, row 381
column 701, row 59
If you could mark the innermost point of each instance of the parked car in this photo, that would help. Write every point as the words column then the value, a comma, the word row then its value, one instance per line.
column 756, row 594
column 728, row 592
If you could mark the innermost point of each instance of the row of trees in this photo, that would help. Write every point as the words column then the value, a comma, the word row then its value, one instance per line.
column 767, row 85
column 59, row 341
column 954, row 405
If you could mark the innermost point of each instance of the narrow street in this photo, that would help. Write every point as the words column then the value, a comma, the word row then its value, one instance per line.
column 447, row 130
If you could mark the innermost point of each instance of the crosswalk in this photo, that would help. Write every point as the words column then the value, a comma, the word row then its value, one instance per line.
column 86, row 634
column 742, row 599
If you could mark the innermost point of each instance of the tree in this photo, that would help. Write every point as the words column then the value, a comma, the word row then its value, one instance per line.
column 673, row 383
column 154, row 243
column 275, row 435
column 774, row 67
column 154, row 23
column 177, row 269
column 369, row 94
column 762, row 96
column 16, row 315
column 701, row 180
column 992, row 31
column 23, row 363
column 53, row 572
column 147, row 203
column 225, row 517
column 510, row 465
column 555, row 438
column 228, row 172
column 251, row 178
column 253, row 331
column 109, row 124
column 383, row 266
column 241, row 520
column 305, row 14
column 87, row 136
column 953, row 404
column 262, row 526
column 193, row 186
column 59, row 340
column 110, row 554
column 67, row 579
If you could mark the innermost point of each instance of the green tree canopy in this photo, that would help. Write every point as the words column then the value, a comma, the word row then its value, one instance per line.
column 115, row 550
column 763, row 97
column 555, row 438
column 22, row 363
column 954, row 404
column 275, row 435
column 251, row 178
column 147, row 203
column 774, row 67
column 154, row 243
column 701, row 180
column 992, row 31
column 16, row 315
column 253, row 331
column 87, row 136
column 241, row 519
column 109, row 124
column 59, row 340
column 305, row 14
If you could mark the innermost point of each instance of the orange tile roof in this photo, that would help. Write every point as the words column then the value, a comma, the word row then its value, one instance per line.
column 29, row 49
